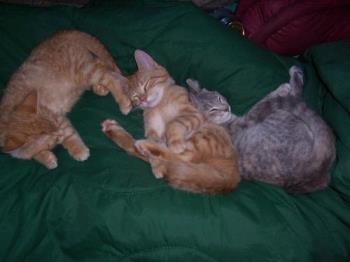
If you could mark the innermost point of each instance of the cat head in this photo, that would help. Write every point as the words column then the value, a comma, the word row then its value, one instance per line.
column 146, row 86
column 26, row 124
column 212, row 104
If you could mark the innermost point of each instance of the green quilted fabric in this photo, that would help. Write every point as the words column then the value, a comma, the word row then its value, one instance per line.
column 111, row 208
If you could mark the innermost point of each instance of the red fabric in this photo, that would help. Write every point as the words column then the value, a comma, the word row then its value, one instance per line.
column 289, row 27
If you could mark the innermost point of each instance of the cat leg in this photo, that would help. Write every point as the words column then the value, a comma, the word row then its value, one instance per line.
column 296, row 80
column 293, row 87
column 28, row 151
column 100, row 90
column 157, row 155
column 72, row 142
column 280, row 98
column 152, row 134
column 158, row 166
column 179, row 130
column 46, row 158
column 103, row 79
column 121, row 137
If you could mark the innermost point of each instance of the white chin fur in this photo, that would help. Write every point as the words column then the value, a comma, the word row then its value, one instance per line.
column 154, row 98
column 223, row 119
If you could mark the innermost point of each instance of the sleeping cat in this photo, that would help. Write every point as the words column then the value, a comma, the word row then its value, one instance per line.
column 190, row 153
column 45, row 88
column 280, row 140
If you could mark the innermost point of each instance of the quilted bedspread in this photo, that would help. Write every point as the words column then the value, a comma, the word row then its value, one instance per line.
column 111, row 208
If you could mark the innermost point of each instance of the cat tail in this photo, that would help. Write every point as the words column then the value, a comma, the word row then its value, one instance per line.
column 202, row 177
column 212, row 177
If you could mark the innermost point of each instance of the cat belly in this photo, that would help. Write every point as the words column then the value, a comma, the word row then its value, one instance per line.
column 157, row 124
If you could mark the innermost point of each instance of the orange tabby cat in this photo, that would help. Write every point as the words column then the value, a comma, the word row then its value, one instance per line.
column 182, row 147
column 45, row 88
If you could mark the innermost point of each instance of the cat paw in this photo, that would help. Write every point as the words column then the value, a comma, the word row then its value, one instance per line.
column 159, row 174
column 125, row 108
column 158, row 168
column 177, row 146
column 62, row 133
column 51, row 161
column 296, row 70
column 109, row 125
column 141, row 146
column 100, row 90
column 81, row 154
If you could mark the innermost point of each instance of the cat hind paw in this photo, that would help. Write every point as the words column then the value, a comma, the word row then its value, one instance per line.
column 142, row 147
column 81, row 155
column 51, row 162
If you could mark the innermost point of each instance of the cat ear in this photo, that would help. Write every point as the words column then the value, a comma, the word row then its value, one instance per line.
column 11, row 144
column 194, row 100
column 144, row 61
column 193, row 85
column 29, row 104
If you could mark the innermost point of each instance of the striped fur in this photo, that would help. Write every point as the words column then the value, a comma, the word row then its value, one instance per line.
column 190, row 153
column 280, row 141
column 45, row 88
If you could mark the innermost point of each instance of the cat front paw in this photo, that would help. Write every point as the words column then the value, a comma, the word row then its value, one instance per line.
column 177, row 146
column 126, row 107
column 62, row 134
column 100, row 90
column 109, row 126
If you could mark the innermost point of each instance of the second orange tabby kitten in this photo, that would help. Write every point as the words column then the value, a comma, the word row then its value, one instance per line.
column 182, row 147
column 46, row 86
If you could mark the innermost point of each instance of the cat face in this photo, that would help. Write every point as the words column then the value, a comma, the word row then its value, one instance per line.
column 211, row 103
column 26, row 125
column 146, row 86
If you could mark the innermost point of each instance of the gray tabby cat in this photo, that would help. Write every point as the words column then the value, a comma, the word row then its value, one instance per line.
column 280, row 141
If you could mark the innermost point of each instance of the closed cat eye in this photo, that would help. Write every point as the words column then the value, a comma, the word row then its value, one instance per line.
column 146, row 85
column 221, row 100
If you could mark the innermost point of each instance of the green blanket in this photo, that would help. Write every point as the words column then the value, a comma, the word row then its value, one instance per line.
column 111, row 208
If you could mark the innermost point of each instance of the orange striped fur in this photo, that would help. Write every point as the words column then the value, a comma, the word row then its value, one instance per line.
column 45, row 88
column 182, row 147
